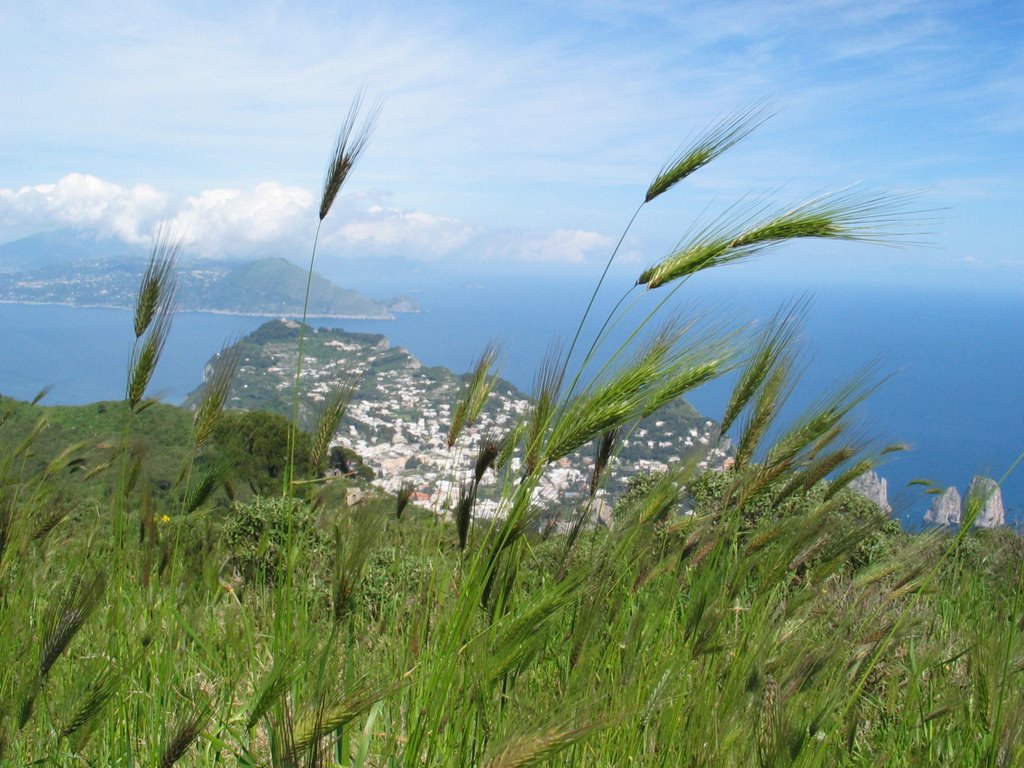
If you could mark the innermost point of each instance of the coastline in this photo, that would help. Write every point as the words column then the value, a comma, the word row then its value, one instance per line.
column 235, row 313
column 955, row 420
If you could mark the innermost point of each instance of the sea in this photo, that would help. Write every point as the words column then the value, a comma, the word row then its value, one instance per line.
column 950, row 365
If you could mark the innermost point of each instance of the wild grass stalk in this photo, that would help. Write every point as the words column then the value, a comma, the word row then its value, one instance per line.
column 779, row 620
column 712, row 142
column 350, row 144
column 331, row 414
column 155, row 305
column 184, row 734
column 851, row 215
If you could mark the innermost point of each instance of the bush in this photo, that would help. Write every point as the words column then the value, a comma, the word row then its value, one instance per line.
column 257, row 533
column 255, row 445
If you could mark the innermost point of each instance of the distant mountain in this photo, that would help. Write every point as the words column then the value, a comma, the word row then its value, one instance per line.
column 82, row 269
column 276, row 286
column 65, row 247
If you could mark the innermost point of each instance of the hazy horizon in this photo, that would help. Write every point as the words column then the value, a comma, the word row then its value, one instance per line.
column 516, row 136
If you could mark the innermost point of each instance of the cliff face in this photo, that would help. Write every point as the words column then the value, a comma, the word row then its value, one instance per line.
column 950, row 509
column 945, row 509
column 873, row 488
column 985, row 492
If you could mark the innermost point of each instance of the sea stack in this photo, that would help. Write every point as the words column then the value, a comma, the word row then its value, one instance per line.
column 874, row 488
column 985, row 492
column 945, row 509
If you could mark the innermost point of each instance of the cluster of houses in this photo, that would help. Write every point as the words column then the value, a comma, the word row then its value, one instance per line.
column 399, row 419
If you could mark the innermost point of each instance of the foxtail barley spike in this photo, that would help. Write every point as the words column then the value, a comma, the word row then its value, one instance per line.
column 772, row 392
column 42, row 393
column 769, row 730
column 546, row 391
column 271, row 690
column 769, row 351
column 158, row 288
column 329, row 717
column 540, row 746
column 713, row 142
column 7, row 510
column 97, row 693
column 331, row 414
column 66, row 617
column 490, row 450
column 347, row 148
column 352, row 550
column 824, row 420
column 464, row 512
column 200, row 491
column 283, row 751
column 657, row 375
column 403, row 497
column 215, row 393
column 481, row 382
column 185, row 733
column 836, row 216
column 145, row 358
column 604, row 452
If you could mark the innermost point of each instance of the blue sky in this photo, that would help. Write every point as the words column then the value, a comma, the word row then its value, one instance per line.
column 515, row 135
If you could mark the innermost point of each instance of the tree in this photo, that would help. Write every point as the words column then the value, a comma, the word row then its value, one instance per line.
column 255, row 445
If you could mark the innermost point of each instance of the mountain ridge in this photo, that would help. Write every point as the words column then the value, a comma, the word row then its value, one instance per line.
column 80, row 268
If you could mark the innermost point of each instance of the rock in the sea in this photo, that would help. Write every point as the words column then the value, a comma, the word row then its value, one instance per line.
column 984, row 491
column 403, row 304
column 945, row 509
column 874, row 488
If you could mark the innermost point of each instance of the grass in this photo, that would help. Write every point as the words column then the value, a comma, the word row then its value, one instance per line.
column 782, row 620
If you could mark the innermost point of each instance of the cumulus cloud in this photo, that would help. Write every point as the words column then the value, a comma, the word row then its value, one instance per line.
column 415, row 232
column 84, row 201
column 271, row 218
column 379, row 229
column 215, row 222
column 232, row 221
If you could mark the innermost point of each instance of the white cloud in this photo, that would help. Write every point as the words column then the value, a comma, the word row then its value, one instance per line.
column 215, row 222
column 415, row 232
column 81, row 200
column 232, row 221
column 275, row 218
column 573, row 246
column 373, row 228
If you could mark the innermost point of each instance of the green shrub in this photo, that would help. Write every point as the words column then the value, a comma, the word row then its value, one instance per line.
column 255, row 445
column 258, row 533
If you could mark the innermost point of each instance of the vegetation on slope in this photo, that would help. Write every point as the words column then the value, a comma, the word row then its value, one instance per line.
column 276, row 286
column 77, row 268
column 780, row 621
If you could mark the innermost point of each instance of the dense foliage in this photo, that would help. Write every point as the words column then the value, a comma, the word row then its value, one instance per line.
column 761, row 615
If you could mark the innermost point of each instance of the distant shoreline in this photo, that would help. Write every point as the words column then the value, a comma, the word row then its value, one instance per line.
column 74, row 305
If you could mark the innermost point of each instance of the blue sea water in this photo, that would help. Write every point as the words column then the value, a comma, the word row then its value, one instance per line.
column 955, row 394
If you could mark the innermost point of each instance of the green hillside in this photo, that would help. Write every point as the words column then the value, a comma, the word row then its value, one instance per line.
column 86, row 271
column 161, row 433
column 276, row 286
column 86, row 441
column 748, row 609
column 400, row 411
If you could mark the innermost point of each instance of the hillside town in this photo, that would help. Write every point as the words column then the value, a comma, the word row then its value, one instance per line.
column 399, row 417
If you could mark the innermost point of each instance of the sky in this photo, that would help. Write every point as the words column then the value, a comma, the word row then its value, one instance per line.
column 517, row 136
